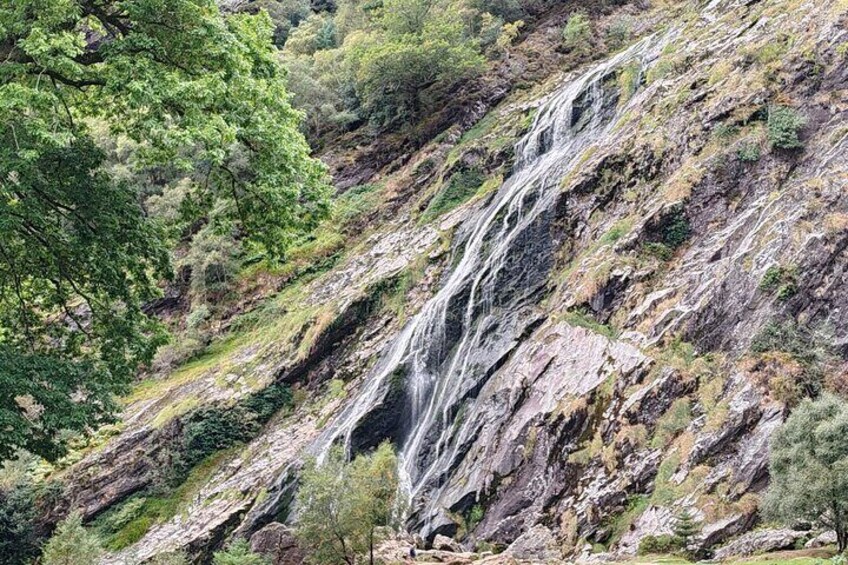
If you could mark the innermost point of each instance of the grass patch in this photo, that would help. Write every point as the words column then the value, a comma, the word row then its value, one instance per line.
column 461, row 186
column 585, row 320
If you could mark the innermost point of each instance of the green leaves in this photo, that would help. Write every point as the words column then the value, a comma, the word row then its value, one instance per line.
column 79, row 257
column 809, row 466
column 342, row 504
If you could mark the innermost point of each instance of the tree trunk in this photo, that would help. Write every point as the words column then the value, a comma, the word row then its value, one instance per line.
column 841, row 537
column 371, row 546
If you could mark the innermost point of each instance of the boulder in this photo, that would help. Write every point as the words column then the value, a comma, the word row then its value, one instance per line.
column 822, row 540
column 444, row 543
column 537, row 543
column 277, row 542
column 761, row 541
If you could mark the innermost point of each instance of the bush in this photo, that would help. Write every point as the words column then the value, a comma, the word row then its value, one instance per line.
column 211, row 429
column 748, row 151
column 72, row 544
column 577, row 32
column 784, row 124
column 664, row 543
column 238, row 553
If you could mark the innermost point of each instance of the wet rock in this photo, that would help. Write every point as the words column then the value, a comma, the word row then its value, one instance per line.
column 444, row 543
column 277, row 543
column 759, row 542
column 536, row 543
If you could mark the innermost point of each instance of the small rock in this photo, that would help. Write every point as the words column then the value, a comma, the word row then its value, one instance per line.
column 444, row 543
column 822, row 540
column 761, row 541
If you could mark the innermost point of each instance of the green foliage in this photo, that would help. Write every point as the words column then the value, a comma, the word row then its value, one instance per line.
column 342, row 505
column 664, row 543
column 685, row 530
column 780, row 279
column 72, row 544
column 809, row 467
column 619, row 31
column 18, row 539
column 584, row 319
column 748, row 151
column 211, row 429
column 461, row 186
column 414, row 48
column 672, row 232
column 674, row 421
column 577, row 33
column 807, row 349
column 238, row 553
column 196, row 92
column 784, row 125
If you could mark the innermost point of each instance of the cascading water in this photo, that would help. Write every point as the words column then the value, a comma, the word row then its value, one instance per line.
column 447, row 351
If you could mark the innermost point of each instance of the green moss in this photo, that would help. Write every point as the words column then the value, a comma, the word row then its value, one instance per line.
column 461, row 187
column 584, row 320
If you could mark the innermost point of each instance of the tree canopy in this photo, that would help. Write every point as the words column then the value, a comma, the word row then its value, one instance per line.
column 809, row 466
column 195, row 91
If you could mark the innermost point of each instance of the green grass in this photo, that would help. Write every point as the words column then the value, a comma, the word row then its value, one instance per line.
column 140, row 513
column 459, row 189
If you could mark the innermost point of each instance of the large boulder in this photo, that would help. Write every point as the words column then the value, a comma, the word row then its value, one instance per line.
column 444, row 543
column 277, row 542
column 822, row 540
column 761, row 541
column 537, row 543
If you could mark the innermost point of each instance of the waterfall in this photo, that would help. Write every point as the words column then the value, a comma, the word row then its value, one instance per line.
column 444, row 353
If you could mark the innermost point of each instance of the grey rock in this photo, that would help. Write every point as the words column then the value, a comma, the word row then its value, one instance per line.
column 536, row 543
column 761, row 541
column 444, row 543
column 277, row 543
column 822, row 540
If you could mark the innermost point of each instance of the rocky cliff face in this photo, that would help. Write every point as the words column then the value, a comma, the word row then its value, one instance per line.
column 605, row 335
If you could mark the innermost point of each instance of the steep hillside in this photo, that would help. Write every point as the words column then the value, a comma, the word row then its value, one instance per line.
column 578, row 302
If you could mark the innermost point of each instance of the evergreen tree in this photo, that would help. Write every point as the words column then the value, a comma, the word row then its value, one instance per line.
column 72, row 544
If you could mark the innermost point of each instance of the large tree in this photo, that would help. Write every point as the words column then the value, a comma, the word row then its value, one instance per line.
column 195, row 90
column 809, row 467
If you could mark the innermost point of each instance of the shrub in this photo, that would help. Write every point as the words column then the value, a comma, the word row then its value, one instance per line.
column 784, row 124
column 577, row 31
column 72, row 544
column 238, row 553
column 664, row 543
column 748, row 151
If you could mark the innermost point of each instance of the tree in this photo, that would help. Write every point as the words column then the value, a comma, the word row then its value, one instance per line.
column 577, row 31
column 238, row 553
column 809, row 467
column 685, row 530
column 341, row 505
column 79, row 256
column 414, row 49
column 72, row 544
